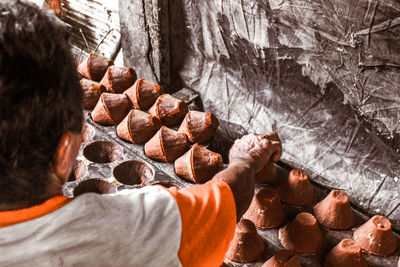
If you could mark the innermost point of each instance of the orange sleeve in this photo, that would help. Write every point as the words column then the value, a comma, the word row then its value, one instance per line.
column 17, row 216
column 208, row 215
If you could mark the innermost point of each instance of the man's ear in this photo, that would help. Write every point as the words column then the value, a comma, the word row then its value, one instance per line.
column 67, row 150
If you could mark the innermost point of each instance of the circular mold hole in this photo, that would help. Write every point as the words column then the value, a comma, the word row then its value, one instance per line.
column 87, row 133
column 102, row 152
column 78, row 171
column 95, row 185
column 133, row 172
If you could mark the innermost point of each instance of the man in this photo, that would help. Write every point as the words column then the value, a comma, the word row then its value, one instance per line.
column 40, row 133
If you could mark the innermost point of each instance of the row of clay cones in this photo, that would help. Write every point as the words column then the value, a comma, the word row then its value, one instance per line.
column 113, row 99
column 303, row 234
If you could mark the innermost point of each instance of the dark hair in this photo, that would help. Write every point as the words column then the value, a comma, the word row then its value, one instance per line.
column 40, row 98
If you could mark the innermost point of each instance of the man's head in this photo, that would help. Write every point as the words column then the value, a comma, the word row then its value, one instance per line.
column 40, row 96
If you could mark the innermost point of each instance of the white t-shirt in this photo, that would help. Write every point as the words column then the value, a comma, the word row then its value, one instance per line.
column 99, row 230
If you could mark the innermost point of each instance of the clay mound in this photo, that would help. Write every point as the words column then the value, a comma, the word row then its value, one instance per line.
column 166, row 145
column 138, row 127
column 91, row 92
column 334, row 211
column 110, row 109
column 143, row 94
column 346, row 254
column 198, row 164
column 169, row 110
column 268, row 174
column 376, row 236
column 247, row 245
column 94, row 67
column 118, row 79
column 297, row 189
column 302, row 235
column 199, row 126
column 283, row 258
column 265, row 210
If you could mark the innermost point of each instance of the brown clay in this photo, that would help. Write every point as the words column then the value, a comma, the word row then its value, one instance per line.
column 276, row 146
column 297, row 189
column 346, row 254
column 283, row 258
column 138, row 127
column 265, row 210
column 118, row 79
column 334, row 211
column 198, row 164
column 169, row 110
column 143, row 94
column 268, row 174
column 96, row 185
column 91, row 92
column 133, row 172
column 247, row 245
column 199, row 126
column 166, row 145
column 376, row 236
column 111, row 109
column 94, row 67
column 302, row 235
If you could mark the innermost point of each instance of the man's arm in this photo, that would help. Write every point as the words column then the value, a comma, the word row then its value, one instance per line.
column 248, row 155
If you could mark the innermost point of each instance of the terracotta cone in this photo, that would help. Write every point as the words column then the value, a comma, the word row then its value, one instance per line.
column 283, row 258
column 265, row 210
column 297, row 189
column 111, row 109
column 268, row 174
column 138, row 127
column 376, row 236
column 247, row 245
column 143, row 94
column 166, row 145
column 198, row 164
column 94, row 67
column 118, row 79
column 91, row 92
column 199, row 126
column 334, row 211
column 346, row 254
column 302, row 235
column 169, row 110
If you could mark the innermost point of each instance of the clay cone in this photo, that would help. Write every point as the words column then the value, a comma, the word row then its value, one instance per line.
column 268, row 174
column 247, row 245
column 376, row 236
column 199, row 126
column 283, row 258
column 138, row 127
column 265, row 210
column 94, row 67
column 91, row 92
column 198, row 164
column 166, row 145
column 169, row 110
column 334, row 211
column 302, row 235
column 297, row 189
column 346, row 254
column 143, row 94
column 111, row 109
column 118, row 79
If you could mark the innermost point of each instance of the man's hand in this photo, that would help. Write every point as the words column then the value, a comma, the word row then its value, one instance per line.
column 256, row 149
